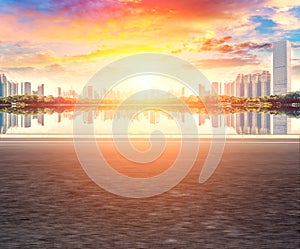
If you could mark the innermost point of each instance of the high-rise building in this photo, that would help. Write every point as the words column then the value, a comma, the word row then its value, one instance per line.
column 239, row 85
column 58, row 91
column 1, row 86
column 201, row 90
column 22, row 88
column 4, row 86
column 247, row 81
column 90, row 92
column 27, row 88
column 265, row 80
column 216, row 88
column 250, row 85
column 14, row 88
column 281, row 67
column 182, row 91
column 40, row 90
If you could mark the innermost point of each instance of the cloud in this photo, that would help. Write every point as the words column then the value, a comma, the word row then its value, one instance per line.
column 52, row 75
column 221, row 45
column 281, row 4
column 26, row 54
column 195, row 8
column 225, row 62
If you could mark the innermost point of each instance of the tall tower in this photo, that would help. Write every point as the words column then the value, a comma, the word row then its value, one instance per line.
column 4, row 86
column 27, row 88
column 281, row 67
column 1, row 87
column 41, row 89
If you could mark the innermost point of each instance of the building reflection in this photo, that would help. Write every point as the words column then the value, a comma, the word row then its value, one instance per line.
column 281, row 124
column 247, row 123
column 11, row 120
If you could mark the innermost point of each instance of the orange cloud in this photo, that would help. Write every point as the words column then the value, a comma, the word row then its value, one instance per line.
column 225, row 62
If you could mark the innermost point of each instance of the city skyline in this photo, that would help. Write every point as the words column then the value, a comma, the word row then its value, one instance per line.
column 65, row 43
column 244, row 85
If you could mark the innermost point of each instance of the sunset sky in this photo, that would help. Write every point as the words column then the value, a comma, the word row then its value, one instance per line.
column 63, row 43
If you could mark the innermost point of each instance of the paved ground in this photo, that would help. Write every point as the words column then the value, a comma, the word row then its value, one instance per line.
column 251, row 201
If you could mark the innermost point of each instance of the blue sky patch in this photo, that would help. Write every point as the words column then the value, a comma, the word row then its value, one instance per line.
column 266, row 25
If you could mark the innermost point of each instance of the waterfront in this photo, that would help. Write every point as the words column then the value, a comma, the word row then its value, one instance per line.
column 145, row 121
column 251, row 201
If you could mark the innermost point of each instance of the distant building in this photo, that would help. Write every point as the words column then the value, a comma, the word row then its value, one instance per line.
column 3, row 85
column 27, row 88
column 22, row 88
column 265, row 83
column 14, row 89
column 70, row 94
column 8, row 88
column 250, row 85
column 216, row 88
column 281, row 67
column 182, row 91
column 90, row 92
column 58, row 92
column 40, row 90
column 202, row 90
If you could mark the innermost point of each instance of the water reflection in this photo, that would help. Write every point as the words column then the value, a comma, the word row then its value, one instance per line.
column 246, row 123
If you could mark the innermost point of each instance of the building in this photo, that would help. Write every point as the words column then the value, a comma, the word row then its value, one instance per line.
column 281, row 67
column 58, row 92
column 250, row 85
column 14, row 88
column 182, row 91
column 3, row 85
column 69, row 94
column 90, row 92
column 22, row 88
column 202, row 90
column 216, row 88
column 265, row 84
column 239, row 85
column 27, row 88
column 8, row 88
column 40, row 90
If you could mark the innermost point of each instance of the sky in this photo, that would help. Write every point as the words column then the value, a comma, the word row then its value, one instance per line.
column 64, row 43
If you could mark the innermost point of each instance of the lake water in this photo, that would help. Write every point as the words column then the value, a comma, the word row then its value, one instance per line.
column 146, row 121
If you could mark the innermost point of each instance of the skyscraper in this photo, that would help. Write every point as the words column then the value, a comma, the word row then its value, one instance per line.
column 4, row 86
column 250, row 85
column 281, row 67
column 27, row 88
column 90, row 92
column 58, row 91
column 1, row 87
column 40, row 90
column 216, row 88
